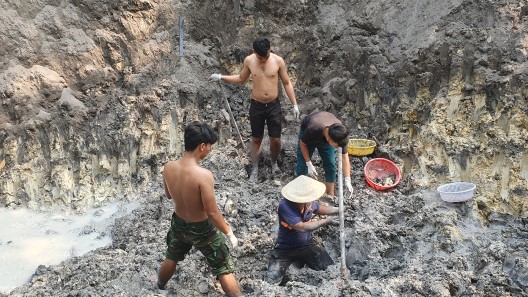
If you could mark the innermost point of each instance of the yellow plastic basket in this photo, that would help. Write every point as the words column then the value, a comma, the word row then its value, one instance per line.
column 361, row 147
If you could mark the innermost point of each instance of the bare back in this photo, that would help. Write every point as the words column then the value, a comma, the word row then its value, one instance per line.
column 188, row 184
column 265, row 76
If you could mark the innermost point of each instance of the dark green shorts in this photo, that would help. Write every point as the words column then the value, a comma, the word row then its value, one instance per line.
column 182, row 236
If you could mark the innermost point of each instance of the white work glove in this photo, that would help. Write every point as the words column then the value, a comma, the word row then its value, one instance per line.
column 296, row 113
column 232, row 239
column 311, row 170
column 348, row 184
column 215, row 77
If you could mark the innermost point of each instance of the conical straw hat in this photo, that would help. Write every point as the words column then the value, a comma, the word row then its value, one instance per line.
column 303, row 189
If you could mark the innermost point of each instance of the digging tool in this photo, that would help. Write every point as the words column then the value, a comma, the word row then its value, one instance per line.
column 344, row 270
column 231, row 114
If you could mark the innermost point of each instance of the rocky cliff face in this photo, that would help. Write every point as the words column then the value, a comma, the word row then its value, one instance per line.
column 94, row 96
column 85, row 116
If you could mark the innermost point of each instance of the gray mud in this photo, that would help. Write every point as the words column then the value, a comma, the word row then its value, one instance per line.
column 398, row 244
column 94, row 97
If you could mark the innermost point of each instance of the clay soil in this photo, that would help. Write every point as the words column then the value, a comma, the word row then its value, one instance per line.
column 95, row 96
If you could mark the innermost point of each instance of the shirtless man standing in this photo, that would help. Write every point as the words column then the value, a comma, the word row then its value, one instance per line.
column 196, row 220
column 266, row 68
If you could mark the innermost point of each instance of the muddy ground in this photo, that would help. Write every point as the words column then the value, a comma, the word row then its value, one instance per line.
column 398, row 244
column 94, row 98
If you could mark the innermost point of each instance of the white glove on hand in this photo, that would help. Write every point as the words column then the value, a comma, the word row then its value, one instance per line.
column 215, row 77
column 311, row 170
column 348, row 184
column 232, row 239
column 296, row 113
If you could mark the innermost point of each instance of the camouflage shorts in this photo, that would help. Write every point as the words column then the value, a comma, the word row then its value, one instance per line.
column 182, row 236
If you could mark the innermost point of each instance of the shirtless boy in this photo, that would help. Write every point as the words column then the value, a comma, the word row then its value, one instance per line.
column 266, row 68
column 196, row 220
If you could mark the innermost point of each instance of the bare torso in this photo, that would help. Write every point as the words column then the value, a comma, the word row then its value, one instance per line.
column 265, row 77
column 184, row 181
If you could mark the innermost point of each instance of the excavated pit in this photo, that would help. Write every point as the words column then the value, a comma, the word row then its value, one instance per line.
column 95, row 96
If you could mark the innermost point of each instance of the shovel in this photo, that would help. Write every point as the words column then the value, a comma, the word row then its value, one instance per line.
column 231, row 114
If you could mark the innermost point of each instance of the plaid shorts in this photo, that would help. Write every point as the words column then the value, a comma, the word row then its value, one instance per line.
column 182, row 236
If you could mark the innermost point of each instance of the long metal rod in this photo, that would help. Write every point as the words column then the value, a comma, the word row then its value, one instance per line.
column 181, row 35
column 341, row 209
column 231, row 114
column 236, row 4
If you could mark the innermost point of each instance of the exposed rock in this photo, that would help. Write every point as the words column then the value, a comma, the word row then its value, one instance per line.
column 94, row 97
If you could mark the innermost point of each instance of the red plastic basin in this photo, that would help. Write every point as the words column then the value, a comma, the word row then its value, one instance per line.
column 378, row 171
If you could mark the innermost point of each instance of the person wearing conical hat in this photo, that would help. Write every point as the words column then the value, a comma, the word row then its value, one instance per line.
column 295, row 243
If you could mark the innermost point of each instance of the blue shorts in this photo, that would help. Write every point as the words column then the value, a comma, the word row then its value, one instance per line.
column 328, row 155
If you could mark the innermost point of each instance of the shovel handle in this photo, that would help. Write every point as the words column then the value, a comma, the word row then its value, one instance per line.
column 231, row 114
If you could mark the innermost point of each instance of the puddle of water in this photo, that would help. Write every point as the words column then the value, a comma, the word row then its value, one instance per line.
column 29, row 239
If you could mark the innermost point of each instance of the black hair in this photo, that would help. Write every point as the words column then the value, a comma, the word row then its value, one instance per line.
column 339, row 134
column 197, row 133
column 261, row 46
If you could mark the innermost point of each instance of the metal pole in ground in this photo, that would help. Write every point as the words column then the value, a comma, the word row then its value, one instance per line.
column 181, row 35
column 231, row 114
column 341, row 209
